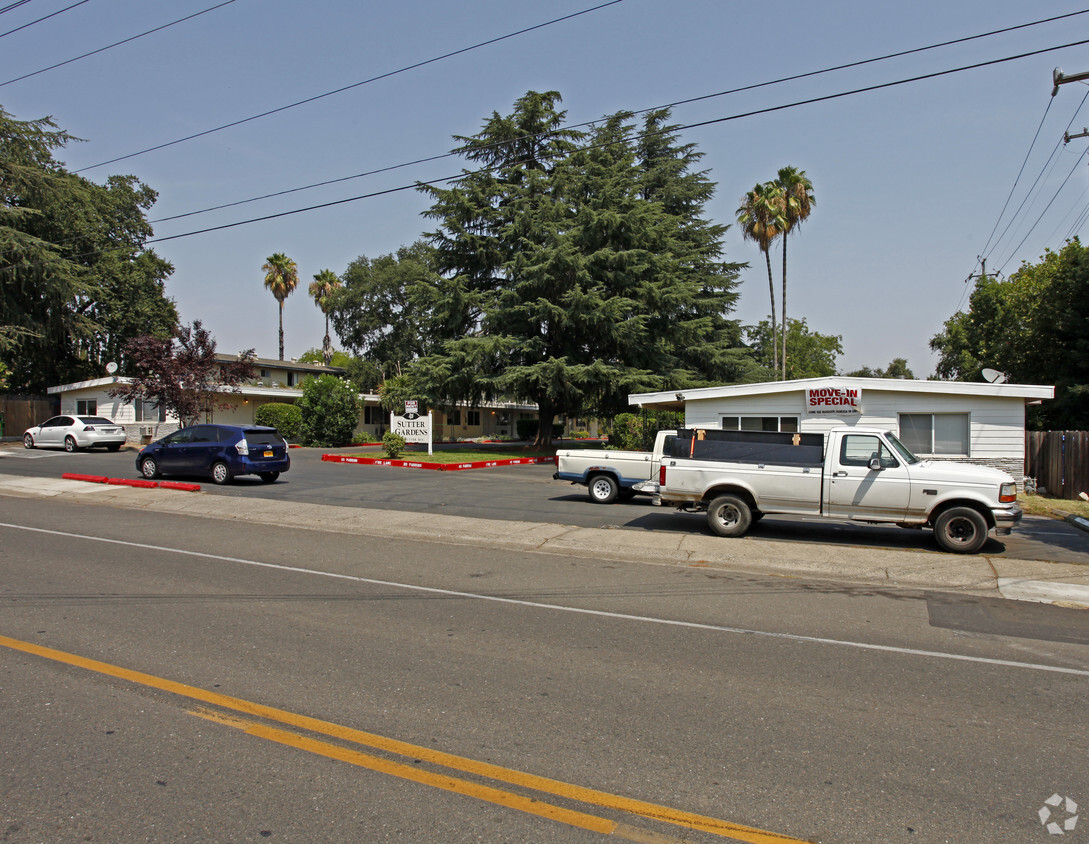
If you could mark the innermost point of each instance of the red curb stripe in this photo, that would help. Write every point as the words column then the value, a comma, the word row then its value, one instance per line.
column 179, row 485
column 440, row 467
column 94, row 479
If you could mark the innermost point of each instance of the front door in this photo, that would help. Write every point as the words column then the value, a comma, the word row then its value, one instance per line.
column 855, row 490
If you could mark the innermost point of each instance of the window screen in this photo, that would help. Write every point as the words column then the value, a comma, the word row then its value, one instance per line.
column 935, row 433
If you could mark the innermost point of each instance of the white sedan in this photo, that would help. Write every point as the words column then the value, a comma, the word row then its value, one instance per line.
column 76, row 432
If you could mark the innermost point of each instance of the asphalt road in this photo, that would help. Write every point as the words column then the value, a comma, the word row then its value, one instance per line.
column 225, row 681
column 528, row 493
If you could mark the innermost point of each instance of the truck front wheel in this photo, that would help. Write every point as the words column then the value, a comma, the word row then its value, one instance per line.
column 603, row 489
column 960, row 530
column 729, row 515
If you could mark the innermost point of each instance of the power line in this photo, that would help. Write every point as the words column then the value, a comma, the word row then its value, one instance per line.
column 47, row 17
column 1048, row 165
column 671, row 129
column 350, row 87
column 700, row 124
column 116, row 43
column 671, row 105
column 12, row 6
column 1048, row 206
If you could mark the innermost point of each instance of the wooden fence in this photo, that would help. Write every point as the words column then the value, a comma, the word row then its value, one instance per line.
column 21, row 412
column 1059, row 461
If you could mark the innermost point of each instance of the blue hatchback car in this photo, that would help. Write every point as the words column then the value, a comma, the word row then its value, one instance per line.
column 218, row 451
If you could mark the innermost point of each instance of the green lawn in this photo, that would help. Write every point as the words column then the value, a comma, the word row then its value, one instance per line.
column 468, row 454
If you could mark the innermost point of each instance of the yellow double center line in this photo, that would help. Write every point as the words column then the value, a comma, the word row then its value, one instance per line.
column 446, row 782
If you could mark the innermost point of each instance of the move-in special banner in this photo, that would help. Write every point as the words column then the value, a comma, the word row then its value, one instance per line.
column 838, row 401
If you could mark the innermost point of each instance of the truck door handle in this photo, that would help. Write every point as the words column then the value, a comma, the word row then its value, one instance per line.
column 839, row 474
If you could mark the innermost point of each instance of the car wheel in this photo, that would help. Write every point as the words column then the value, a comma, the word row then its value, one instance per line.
column 28, row 441
column 268, row 477
column 70, row 444
column 729, row 515
column 603, row 489
column 221, row 472
column 149, row 468
column 961, row 530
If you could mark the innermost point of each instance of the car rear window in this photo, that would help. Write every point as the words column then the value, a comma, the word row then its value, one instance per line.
column 95, row 420
column 264, row 437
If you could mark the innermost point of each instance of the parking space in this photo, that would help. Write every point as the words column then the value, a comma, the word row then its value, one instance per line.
column 528, row 493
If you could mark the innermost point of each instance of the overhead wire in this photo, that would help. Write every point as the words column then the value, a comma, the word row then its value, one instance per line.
column 1046, row 208
column 671, row 105
column 344, row 88
column 117, row 43
column 1045, row 171
column 47, row 17
column 669, row 130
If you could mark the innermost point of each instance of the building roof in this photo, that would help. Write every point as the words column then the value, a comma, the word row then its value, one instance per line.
column 677, row 399
column 290, row 365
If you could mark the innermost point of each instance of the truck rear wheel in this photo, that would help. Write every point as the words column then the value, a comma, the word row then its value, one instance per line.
column 729, row 515
column 960, row 530
column 603, row 489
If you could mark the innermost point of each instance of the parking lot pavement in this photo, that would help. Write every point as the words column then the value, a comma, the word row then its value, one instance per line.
column 978, row 574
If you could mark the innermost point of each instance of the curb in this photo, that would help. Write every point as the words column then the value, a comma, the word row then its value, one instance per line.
column 438, row 467
column 1077, row 521
column 134, row 482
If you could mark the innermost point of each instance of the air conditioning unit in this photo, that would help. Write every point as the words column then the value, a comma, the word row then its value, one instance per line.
column 147, row 430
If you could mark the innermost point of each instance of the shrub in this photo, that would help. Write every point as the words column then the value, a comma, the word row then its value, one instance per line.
column 330, row 411
column 394, row 444
column 285, row 418
column 626, row 432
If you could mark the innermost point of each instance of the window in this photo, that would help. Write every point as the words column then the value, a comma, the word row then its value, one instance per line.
column 935, row 433
column 760, row 423
column 373, row 415
column 455, row 417
column 860, row 449
column 87, row 407
column 292, row 379
column 146, row 411
column 472, row 417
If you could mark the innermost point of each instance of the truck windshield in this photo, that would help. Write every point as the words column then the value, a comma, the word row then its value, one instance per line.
column 902, row 449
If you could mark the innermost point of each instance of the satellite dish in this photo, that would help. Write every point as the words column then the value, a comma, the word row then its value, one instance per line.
column 111, row 367
column 993, row 376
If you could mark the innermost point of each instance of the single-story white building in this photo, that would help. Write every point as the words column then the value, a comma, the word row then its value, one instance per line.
column 279, row 381
column 946, row 420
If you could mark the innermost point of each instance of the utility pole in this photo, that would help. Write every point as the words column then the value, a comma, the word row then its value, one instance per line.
column 981, row 274
column 1060, row 78
column 1067, row 137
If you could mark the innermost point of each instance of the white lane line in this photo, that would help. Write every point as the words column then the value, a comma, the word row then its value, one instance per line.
column 669, row 622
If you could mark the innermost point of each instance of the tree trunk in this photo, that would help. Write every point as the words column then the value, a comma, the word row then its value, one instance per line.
column 545, row 415
column 784, row 331
column 281, row 330
column 774, row 332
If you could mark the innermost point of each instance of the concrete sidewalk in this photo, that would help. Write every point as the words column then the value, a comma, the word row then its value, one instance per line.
column 1065, row 584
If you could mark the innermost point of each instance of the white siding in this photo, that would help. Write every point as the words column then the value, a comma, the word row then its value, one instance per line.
column 996, row 423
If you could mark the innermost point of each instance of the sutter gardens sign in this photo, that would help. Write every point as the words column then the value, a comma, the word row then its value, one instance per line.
column 412, row 427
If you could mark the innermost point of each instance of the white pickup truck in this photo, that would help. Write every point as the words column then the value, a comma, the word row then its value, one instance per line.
column 607, row 473
column 858, row 474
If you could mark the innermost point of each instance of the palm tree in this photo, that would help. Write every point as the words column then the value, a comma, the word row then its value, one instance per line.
column 758, row 219
column 281, row 277
column 795, row 203
column 321, row 288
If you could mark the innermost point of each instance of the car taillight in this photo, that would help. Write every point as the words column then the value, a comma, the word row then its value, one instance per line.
column 1007, row 493
column 89, row 428
column 242, row 447
column 661, row 475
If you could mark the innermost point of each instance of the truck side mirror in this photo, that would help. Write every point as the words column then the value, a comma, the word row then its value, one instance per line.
column 875, row 464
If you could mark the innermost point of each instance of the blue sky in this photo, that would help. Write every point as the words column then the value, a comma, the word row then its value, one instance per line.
column 910, row 180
